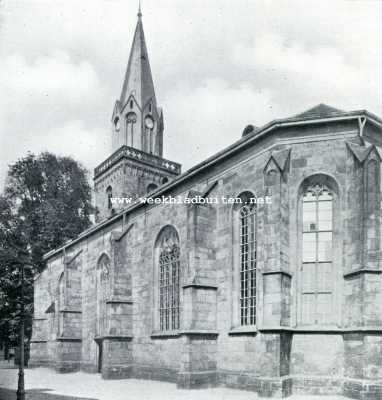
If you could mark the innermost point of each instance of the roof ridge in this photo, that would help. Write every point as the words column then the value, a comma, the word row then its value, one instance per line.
column 320, row 110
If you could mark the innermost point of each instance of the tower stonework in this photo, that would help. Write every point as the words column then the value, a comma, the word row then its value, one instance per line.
column 136, row 166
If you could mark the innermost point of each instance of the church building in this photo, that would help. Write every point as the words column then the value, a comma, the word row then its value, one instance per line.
column 275, row 287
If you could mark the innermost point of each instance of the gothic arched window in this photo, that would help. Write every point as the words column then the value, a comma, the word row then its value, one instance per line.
column 168, row 253
column 317, row 260
column 102, row 294
column 247, row 234
column 244, row 252
column 109, row 194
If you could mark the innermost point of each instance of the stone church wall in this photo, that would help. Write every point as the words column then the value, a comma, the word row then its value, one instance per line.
column 278, row 355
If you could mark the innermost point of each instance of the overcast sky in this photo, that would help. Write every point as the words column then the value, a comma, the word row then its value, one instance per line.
column 218, row 65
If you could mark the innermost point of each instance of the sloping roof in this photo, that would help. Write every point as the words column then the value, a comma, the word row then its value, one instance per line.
column 319, row 111
column 308, row 117
column 138, row 78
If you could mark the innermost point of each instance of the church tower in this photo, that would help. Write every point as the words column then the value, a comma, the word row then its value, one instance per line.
column 136, row 166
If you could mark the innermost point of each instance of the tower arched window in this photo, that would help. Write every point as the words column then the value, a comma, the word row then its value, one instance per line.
column 131, row 120
column 317, row 254
column 168, row 279
column 151, row 187
column 102, row 294
column 109, row 194
column 117, row 125
column 150, row 136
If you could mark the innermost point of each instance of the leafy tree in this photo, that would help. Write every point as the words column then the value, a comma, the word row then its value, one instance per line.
column 46, row 201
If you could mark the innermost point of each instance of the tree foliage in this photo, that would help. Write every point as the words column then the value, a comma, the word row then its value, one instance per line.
column 46, row 201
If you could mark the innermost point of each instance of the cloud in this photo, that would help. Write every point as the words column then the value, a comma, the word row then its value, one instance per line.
column 54, row 76
column 210, row 117
column 47, row 104
column 217, row 66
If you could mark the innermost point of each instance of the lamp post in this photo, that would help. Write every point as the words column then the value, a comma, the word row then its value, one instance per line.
column 20, row 395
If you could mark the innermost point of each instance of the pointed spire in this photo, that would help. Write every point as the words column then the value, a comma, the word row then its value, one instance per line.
column 139, row 10
column 138, row 78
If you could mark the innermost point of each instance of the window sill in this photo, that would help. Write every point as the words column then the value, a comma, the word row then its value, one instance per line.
column 361, row 271
column 116, row 300
column 165, row 334
column 124, row 338
column 70, row 311
column 320, row 329
column 68, row 339
column 191, row 332
column 200, row 332
column 243, row 330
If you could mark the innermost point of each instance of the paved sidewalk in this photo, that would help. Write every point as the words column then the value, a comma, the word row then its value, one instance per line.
column 91, row 386
column 4, row 364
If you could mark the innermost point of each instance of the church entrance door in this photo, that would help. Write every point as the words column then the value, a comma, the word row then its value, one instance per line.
column 99, row 355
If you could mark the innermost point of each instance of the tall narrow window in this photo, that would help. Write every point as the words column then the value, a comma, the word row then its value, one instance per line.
column 317, row 265
column 109, row 194
column 102, row 293
column 372, row 205
column 61, row 303
column 247, row 236
column 169, row 279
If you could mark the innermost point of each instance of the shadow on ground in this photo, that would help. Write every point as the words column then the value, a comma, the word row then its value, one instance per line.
column 38, row 394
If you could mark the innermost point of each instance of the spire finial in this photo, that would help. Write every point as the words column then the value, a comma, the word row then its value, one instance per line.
column 139, row 10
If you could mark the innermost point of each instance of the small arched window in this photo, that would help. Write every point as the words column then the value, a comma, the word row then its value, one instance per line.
column 109, row 194
column 168, row 253
column 151, row 187
column 317, row 260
